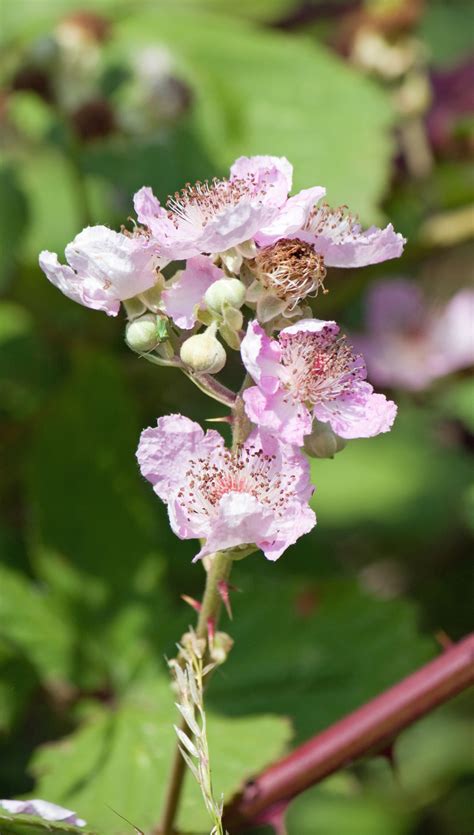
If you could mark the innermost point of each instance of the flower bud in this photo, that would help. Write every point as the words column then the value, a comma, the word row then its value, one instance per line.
column 225, row 292
column 145, row 333
column 220, row 647
column 203, row 352
column 322, row 442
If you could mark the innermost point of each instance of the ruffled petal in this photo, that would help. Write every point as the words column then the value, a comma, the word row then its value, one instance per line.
column 278, row 413
column 359, row 414
column 183, row 295
column 42, row 809
column 240, row 520
column 358, row 249
column 291, row 217
column 164, row 451
column 261, row 357
column 124, row 264
column 87, row 292
column 298, row 520
column 258, row 167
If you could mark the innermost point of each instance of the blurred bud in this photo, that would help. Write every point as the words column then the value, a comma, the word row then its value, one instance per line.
column 145, row 333
column 322, row 442
column 83, row 26
column 203, row 352
column 33, row 79
column 225, row 292
column 94, row 120
column 220, row 647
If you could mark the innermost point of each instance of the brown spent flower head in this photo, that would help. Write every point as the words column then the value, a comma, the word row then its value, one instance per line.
column 290, row 269
column 88, row 24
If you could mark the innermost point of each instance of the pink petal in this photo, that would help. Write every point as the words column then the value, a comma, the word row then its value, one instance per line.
column 164, row 451
column 278, row 413
column 360, row 414
column 259, row 166
column 241, row 520
column 86, row 292
column 261, row 356
column 183, row 296
column 297, row 521
column 291, row 217
column 361, row 249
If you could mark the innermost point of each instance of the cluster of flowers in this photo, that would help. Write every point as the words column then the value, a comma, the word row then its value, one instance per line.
column 246, row 244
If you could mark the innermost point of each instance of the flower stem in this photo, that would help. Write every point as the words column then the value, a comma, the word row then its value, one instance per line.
column 219, row 570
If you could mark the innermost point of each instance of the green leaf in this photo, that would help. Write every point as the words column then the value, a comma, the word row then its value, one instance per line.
column 404, row 481
column 33, row 627
column 259, row 92
column 13, row 220
column 98, row 531
column 119, row 762
column 320, row 651
column 458, row 402
column 446, row 28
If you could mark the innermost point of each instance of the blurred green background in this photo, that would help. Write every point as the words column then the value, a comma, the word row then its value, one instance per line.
column 96, row 100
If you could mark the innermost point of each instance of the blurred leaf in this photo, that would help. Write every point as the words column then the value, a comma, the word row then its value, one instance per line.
column 446, row 27
column 31, row 115
column 97, row 535
column 26, row 370
column 38, row 633
column 339, row 805
column 31, row 825
column 320, row 651
column 13, row 220
column 262, row 92
column 17, row 681
column 403, row 481
column 458, row 402
column 119, row 761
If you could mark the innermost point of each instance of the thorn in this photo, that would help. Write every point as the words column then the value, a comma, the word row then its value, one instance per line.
column 211, row 629
column 191, row 602
column 388, row 753
column 223, row 589
column 223, row 419
column 443, row 639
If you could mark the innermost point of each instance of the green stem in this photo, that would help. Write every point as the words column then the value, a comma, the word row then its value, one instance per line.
column 219, row 571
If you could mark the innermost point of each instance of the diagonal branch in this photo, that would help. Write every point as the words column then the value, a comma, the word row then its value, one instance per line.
column 367, row 729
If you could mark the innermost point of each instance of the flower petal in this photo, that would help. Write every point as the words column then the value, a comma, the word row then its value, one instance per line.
column 183, row 295
column 86, row 292
column 292, row 216
column 164, row 451
column 261, row 357
column 360, row 414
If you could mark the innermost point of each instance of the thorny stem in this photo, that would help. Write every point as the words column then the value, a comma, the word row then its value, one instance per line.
column 211, row 605
column 371, row 728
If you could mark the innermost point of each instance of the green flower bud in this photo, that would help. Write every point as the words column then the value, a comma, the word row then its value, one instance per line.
column 144, row 334
column 203, row 352
column 225, row 292
column 322, row 442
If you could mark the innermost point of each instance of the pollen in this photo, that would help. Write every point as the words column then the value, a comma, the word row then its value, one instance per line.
column 317, row 366
column 337, row 224
column 200, row 203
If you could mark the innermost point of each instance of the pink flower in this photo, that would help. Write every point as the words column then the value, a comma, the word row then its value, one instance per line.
column 408, row 343
column 185, row 294
column 257, row 495
column 42, row 809
column 104, row 268
column 310, row 371
column 214, row 217
column 336, row 236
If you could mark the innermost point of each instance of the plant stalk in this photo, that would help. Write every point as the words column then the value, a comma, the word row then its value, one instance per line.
column 367, row 730
column 211, row 606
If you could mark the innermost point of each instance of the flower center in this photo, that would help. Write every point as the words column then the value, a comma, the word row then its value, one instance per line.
column 317, row 366
column 290, row 270
column 199, row 203
column 248, row 470
column 338, row 224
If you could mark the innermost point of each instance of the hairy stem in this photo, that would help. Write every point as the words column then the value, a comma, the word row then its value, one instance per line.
column 211, row 605
column 219, row 570
column 369, row 729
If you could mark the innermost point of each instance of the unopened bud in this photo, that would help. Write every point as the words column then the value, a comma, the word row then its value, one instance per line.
column 203, row 352
column 322, row 442
column 225, row 292
column 145, row 333
column 220, row 647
